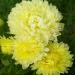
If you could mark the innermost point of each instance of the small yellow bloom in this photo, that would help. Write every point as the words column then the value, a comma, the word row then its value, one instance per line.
column 56, row 62
column 6, row 45
column 35, row 18
column 27, row 51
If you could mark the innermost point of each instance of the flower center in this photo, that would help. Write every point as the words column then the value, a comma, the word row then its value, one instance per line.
column 36, row 22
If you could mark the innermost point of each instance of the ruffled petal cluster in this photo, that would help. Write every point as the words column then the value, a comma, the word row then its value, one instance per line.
column 35, row 18
column 6, row 45
column 28, row 51
column 56, row 62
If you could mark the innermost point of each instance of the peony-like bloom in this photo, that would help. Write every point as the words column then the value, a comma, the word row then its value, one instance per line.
column 35, row 18
column 28, row 51
column 56, row 62
column 6, row 45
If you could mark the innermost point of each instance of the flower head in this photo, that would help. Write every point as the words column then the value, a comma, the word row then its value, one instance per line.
column 27, row 52
column 35, row 18
column 6, row 45
column 57, row 60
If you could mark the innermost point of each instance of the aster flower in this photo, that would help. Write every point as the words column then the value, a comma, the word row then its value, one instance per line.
column 6, row 45
column 28, row 51
column 56, row 62
column 35, row 18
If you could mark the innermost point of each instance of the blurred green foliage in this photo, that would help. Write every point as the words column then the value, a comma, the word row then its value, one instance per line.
column 66, row 7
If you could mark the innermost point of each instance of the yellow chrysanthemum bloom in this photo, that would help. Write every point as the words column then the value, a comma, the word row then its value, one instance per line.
column 56, row 62
column 28, row 51
column 6, row 45
column 35, row 18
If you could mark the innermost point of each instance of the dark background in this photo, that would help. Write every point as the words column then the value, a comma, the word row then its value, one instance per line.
column 66, row 7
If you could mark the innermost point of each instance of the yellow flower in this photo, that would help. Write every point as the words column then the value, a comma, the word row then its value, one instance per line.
column 27, row 51
column 6, row 45
column 56, row 62
column 35, row 18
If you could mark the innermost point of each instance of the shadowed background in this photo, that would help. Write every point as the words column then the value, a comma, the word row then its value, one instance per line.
column 66, row 7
